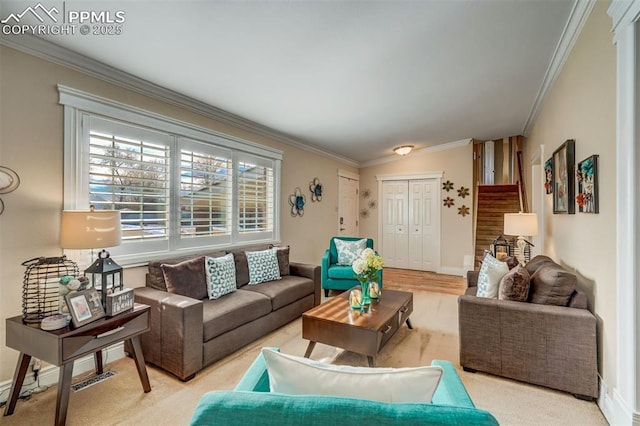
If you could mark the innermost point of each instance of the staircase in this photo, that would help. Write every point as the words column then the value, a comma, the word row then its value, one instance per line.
column 493, row 201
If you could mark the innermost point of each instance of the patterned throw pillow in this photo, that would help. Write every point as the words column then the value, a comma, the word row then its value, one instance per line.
column 263, row 266
column 348, row 251
column 221, row 275
column 491, row 272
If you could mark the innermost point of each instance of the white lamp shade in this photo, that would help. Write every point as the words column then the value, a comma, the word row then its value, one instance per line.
column 90, row 229
column 521, row 224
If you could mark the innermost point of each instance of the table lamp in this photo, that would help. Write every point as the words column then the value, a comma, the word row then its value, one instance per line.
column 95, row 229
column 521, row 225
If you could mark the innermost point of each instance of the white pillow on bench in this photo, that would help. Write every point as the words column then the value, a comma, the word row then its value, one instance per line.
column 294, row 375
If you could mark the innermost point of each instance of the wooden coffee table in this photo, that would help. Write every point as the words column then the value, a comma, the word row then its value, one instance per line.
column 334, row 323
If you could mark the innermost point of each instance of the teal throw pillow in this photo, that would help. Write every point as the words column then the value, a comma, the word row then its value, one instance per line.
column 348, row 251
column 263, row 266
column 221, row 275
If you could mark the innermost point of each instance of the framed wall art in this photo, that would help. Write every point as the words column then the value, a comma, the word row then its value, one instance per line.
column 564, row 178
column 84, row 306
column 548, row 176
column 587, row 175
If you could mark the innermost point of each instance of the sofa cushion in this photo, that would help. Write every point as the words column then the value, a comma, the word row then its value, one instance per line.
column 294, row 375
column 263, row 266
column 231, row 311
column 283, row 260
column 552, row 285
column 515, row 285
column 491, row 272
column 221, row 275
column 284, row 291
column 186, row 278
column 341, row 272
column 155, row 277
column 533, row 265
column 242, row 267
column 348, row 251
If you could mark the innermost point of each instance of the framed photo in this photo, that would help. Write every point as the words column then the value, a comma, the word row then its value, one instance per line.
column 564, row 178
column 587, row 175
column 548, row 176
column 84, row 306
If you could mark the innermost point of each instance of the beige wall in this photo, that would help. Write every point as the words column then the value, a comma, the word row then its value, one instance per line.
column 581, row 106
column 457, row 165
column 31, row 143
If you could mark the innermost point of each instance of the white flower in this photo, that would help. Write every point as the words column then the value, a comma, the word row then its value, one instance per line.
column 359, row 266
column 367, row 253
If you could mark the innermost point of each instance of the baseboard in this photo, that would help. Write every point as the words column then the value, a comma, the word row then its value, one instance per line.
column 49, row 375
column 451, row 270
column 615, row 410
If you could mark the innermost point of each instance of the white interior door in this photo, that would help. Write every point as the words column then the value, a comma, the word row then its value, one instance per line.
column 395, row 218
column 347, row 206
column 424, row 245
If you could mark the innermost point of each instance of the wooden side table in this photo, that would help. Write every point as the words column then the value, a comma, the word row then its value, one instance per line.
column 62, row 347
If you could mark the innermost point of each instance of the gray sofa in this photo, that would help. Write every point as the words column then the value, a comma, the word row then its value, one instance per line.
column 188, row 334
column 547, row 345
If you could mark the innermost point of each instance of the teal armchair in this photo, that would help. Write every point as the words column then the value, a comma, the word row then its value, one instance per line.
column 340, row 277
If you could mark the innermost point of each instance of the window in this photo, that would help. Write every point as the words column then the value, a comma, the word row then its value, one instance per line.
column 179, row 188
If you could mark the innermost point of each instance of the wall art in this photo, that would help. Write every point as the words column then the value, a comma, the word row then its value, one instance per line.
column 587, row 174
column 316, row 190
column 296, row 201
column 447, row 186
column 548, row 176
column 448, row 202
column 9, row 181
column 369, row 204
column 463, row 211
column 563, row 178
column 463, row 192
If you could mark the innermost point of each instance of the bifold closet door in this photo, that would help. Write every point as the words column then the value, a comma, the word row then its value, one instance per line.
column 423, row 246
column 395, row 217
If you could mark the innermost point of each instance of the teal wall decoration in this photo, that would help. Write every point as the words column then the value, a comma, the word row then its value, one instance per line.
column 296, row 201
column 316, row 190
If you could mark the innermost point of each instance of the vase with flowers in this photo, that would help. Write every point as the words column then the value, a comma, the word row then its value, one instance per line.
column 366, row 268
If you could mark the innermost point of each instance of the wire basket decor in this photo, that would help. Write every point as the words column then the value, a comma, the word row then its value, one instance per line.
column 41, row 286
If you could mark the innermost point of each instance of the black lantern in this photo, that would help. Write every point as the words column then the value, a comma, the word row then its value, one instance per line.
column 501, row 248
column 105, row 275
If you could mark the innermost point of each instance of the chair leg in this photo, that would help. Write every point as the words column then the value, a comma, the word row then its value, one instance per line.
column 326, row 292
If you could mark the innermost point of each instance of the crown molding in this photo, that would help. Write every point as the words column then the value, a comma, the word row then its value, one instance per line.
column 59, row 55
column 418, row 152
column 579, row 14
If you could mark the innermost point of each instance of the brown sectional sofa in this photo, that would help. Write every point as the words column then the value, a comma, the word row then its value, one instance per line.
column 189, row 334
column 542, row 344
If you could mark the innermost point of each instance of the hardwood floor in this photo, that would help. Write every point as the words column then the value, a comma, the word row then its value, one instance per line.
column 405, row 279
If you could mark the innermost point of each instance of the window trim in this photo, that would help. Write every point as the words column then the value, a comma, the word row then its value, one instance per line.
column 78, row 103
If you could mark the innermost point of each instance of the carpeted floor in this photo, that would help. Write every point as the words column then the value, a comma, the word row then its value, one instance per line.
column 120, row 401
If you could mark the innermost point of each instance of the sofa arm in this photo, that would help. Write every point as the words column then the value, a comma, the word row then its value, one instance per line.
column 325, row 267
column 174, row 342
column 312, row 272
column 450, row 390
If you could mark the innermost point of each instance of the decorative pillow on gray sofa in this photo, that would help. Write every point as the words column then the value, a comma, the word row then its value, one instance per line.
column 221, row 275
column 533, row 265
column 263, row 266
column 515, row 285
column 283, row 260
column 552, row 285
column 186, row 278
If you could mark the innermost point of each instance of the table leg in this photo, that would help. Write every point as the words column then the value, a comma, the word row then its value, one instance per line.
column 408, row 321
column 97, row 357
column 140, row 365
column 18, row 377
column 372, row 362
column 312, row 345
column 64, row 386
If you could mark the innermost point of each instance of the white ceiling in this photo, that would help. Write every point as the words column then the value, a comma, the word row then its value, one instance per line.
column 354, row 78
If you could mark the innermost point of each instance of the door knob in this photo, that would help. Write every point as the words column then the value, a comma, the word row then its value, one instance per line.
column 342, row 229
